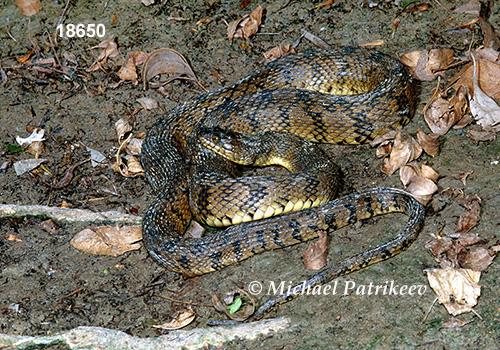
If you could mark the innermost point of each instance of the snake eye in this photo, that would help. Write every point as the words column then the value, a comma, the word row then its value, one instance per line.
column 215, row 138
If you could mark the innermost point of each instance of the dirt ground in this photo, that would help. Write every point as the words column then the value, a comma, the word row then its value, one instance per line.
column 40, row 274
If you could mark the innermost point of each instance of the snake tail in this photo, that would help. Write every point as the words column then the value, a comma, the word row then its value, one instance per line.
column 360, row 206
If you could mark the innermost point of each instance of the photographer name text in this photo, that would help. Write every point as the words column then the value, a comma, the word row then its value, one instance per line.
column 336, row 288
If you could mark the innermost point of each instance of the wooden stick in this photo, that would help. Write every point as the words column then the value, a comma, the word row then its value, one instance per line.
column 67, row 215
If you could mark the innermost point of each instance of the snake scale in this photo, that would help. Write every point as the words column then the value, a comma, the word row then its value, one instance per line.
column 344, row 96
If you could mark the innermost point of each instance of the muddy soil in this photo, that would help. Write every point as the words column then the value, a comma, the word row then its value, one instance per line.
column 47, row 286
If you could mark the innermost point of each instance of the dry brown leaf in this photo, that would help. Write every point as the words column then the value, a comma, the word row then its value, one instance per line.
column 440, row 59
column 109, row 49
column 472, row 8
column 183, row 318
column 374, row 43
column 148, row 103
column 204, row 21
column 463, row 176
column 49, row 226
column 46, row 61
column 326, row 3
column 442, row 114
column 404, row 150
column 487, row 54
column 488, row 73
column 384, row 138
column 422, row 189
column 108, row 240
column 428, row 172
column 418, row 8
column 68, row 176
column 167, row 61
column 277, row 52
column 35, row 141
column 481, row 135
column 28, row 7
column 425, row 65
column 484, row 109
column 246, row 309
column 430, row 143
column 132, row 168
column 419, row 181
column 452, row 251
column 246, row 26
column 195, row 230
column 477, row 259
column 231, row 29
column 439, row 246
column 395, row 24
column 128, row 71
column 69, row 57
column 314, row 256
column 36, row 148
column 12, row 238
column 383, row 150
column 470, row 216
column 456, row 289
column 491, row 37
column 25, row 59
column 314, row 39
column 134, row 146
column 466, row 239
column 139, row 57
column 3, row 77
column 454, row 193
column 252, row 26
column 123, row 129
column 454, row 323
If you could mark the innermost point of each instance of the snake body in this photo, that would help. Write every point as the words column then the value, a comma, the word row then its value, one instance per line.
column 343, row 96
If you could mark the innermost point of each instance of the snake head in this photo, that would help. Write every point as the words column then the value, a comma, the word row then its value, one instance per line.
column 237, row 147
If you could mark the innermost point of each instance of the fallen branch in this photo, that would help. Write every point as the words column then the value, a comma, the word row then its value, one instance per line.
column 103, row 338
column 68, row 215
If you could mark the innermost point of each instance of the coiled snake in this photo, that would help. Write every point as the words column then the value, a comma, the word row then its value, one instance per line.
column 343, row 96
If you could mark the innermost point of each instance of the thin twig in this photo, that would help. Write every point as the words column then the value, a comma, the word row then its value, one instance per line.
column 180, row 301
column 61, row 19
column 54, row 51
column 429, row 311
column 9, row 34
column 445, row 8
column 97, row 61
column 74, row 292
column 35, row 46
column 436, row 91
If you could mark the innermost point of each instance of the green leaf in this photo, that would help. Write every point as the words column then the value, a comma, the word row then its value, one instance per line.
column 14, row 148
column 405, row 3
column 235, row 306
